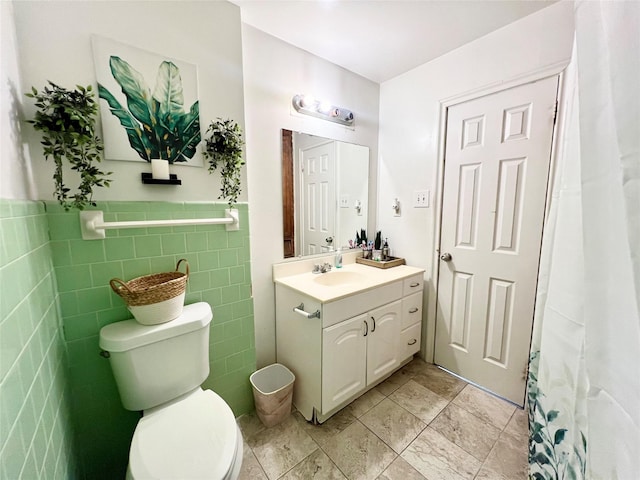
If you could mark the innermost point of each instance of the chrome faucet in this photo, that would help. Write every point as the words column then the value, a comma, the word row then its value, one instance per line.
column 324, row 268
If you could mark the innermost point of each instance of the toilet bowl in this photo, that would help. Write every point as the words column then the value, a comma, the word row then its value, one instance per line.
column 194, row 438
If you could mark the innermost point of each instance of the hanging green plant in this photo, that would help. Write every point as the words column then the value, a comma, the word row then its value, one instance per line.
column 67, row 121
column 223, row 148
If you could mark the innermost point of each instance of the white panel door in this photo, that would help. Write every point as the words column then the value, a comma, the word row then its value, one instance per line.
column 344, row 353
column 497, row 157
column 319, row 197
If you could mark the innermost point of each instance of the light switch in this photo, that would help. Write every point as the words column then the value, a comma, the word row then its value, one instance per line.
column 421, row 198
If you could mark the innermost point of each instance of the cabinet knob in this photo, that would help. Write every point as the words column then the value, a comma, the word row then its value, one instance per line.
column 412, row 342
column 366, row 328
column 413, row 310
column 374, row 324
column 415, row 284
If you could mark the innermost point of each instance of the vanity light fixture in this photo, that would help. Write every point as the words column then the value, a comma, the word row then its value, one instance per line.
column 316, row 108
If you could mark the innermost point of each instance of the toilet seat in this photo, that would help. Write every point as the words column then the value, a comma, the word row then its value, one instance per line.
column 194, row 438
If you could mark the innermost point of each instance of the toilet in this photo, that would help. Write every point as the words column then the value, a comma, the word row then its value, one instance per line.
column 185, row 432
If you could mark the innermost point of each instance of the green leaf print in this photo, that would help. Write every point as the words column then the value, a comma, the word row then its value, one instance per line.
column 157, row 125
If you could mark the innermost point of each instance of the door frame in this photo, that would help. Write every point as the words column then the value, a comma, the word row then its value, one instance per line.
column 431, row 297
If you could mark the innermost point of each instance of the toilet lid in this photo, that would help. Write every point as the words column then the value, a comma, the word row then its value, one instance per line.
column 191, row 439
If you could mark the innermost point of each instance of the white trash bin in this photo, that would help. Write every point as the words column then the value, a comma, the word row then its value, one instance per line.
column 272, row 392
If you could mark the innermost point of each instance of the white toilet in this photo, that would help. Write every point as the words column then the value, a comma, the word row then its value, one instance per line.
column 185, row 432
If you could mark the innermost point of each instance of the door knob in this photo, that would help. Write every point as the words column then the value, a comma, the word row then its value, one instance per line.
column 329, row 240
column 445, row 257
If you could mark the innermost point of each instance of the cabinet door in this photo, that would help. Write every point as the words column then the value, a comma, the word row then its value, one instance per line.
column 383, row 341
column 344, row 352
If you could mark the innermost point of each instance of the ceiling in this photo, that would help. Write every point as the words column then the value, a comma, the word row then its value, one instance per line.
column 381, row 39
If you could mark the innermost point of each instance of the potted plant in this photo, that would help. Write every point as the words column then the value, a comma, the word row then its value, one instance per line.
column 223, row 148
column 157, row 126
column 67, row 120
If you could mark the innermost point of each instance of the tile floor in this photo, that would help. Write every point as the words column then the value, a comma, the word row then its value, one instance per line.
column 421, row 423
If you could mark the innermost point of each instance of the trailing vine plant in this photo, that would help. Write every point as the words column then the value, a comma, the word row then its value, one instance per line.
column 223, row 149
column 67, row 120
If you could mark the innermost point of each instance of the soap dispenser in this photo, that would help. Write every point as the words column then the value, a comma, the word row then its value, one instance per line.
column 385, row 250
column 338, row 262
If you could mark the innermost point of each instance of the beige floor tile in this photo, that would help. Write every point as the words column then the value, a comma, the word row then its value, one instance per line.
column 437, row 458
column 508, row 458
column 416, row 366
column 393, row 424
column 352, row 442
column 281, row 447
column 358, row 453
column 439, row 381
column 251, row 469
column 466, row 430
column 418, row 400
column 518, row 426
column 363, row 404
column 485, row 406
column 394, row 382
column 400, row 470
column 325, row 433
column 249, row 424
column 486, row 474
column 315, row 466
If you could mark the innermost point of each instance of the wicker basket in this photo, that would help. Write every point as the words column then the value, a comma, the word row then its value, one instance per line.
column 156, row 298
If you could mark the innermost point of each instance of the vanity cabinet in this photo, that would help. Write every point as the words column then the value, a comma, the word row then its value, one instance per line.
column 358, row 352
column 348, row 345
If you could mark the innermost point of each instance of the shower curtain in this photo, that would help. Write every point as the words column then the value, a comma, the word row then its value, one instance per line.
column 584, row 373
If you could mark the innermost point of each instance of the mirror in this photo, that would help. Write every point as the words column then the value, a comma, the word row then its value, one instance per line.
column 324, row 193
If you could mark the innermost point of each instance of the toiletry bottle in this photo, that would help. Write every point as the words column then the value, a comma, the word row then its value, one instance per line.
column 385, row 250
column 338, row 258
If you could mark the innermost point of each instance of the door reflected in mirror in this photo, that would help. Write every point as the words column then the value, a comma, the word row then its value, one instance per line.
column 324, row 193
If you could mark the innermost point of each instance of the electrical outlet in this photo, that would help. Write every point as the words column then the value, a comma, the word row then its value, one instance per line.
column 421, row 198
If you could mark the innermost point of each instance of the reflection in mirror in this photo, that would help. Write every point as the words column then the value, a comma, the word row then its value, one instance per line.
column 324, row 193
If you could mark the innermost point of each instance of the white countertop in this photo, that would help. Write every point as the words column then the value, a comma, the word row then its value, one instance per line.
column 358, row 278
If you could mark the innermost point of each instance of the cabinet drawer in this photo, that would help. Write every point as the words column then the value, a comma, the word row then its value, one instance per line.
column 339, row 310
column 412, row 285
column 411, row 310
column 410, row 340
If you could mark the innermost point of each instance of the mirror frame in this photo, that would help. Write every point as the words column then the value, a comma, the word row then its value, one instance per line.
column 288, row 204
column 289, row 220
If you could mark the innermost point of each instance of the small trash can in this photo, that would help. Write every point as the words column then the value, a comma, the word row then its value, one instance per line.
column 272, row 392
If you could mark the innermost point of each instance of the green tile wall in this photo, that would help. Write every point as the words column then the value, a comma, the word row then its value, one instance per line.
column 220, row 275
column 36, row 437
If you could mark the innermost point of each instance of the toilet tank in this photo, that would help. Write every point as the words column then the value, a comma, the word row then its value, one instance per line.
column 153, row 364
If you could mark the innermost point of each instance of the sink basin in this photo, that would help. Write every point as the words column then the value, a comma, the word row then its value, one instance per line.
column 337, row 278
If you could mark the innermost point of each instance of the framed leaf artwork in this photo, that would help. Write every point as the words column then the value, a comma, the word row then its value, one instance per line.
column 148, row 105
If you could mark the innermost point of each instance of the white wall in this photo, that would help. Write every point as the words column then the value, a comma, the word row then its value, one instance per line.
column 14, row 183
column 53, row 40
column 410, row 121
column 274, row 72
column 353, row 180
